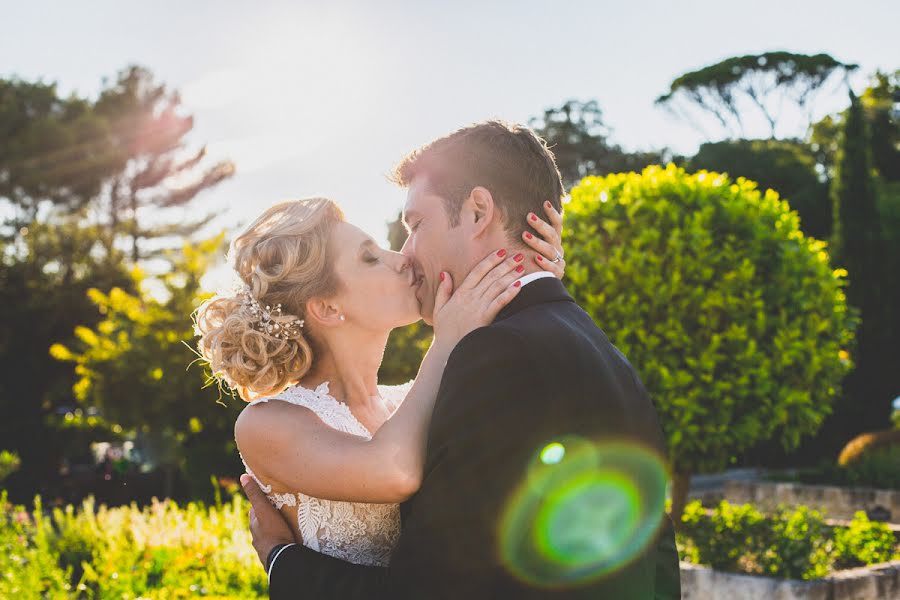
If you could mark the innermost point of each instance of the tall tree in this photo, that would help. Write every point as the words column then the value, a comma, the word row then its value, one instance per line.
column 156, row 169
column 765, row 80
column 579, row 139
column 54, row 152
column 857, row 247
column 786, row 166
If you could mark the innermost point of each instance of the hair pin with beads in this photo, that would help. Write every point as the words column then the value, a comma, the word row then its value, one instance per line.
column 267, row 319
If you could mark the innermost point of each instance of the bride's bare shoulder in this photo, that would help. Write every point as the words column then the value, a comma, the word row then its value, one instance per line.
column 267, row 425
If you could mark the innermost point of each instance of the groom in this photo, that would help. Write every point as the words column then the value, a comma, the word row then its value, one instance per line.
column 540, row 375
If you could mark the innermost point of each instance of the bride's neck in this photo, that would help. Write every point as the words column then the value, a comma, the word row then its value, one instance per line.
column 350, row 364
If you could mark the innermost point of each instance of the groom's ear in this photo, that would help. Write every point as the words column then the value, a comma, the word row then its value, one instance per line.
column 479, row 210
column 323, row 312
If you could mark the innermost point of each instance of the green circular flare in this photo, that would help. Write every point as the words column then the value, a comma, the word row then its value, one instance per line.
column 582, row 511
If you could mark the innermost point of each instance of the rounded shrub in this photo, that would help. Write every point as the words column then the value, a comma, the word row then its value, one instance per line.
column 735, row 319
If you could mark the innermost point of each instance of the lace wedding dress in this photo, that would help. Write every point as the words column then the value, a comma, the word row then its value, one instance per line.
column 355, row 532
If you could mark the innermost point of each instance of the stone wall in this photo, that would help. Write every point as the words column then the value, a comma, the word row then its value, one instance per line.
column 834, row 502
column 876, row 582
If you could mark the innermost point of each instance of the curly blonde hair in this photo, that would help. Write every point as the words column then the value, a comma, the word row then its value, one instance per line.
column 284, row 257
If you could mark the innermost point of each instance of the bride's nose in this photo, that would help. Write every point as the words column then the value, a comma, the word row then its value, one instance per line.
column 400, row 262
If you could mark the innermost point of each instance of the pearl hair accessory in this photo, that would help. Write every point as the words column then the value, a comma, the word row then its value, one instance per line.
column 267, row 320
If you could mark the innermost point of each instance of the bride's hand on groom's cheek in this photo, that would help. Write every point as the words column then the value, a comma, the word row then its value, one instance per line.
column 547, row 244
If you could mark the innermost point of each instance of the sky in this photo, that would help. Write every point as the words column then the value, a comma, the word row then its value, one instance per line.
column 323, row 98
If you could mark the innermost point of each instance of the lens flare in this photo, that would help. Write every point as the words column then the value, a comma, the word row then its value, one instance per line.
column 583, row 511
column 553, row 453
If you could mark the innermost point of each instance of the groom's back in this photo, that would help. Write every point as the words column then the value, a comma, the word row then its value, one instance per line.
column 543, row 372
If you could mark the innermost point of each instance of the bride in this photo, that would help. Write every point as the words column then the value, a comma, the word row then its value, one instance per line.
column 338, row 452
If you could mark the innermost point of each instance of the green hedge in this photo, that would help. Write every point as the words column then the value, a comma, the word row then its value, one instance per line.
column 791, row 543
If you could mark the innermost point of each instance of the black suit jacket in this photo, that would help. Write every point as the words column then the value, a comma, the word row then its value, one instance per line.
column 540, row 372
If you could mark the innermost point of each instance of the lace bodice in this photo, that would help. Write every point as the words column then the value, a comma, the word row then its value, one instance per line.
column 356, row 532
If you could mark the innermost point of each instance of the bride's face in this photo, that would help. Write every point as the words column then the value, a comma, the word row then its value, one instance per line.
column 378, row 285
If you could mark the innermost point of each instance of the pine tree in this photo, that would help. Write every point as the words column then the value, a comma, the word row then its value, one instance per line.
column 156, row 171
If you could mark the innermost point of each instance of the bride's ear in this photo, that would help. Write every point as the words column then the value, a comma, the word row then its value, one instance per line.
column 324, row 313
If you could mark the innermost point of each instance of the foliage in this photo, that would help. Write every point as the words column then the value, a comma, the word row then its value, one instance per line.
column 44, row 278
column 864, row 542
column 162, row 551
column 155, row 171
column 765, row 80
column 132, row 367
column 9, row 463
column 579, row 139
column 53, row 149
column 788, row 167
column 881, row 109
column 790, row 543
column 734, row 318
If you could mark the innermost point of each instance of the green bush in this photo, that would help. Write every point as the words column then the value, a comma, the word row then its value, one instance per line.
column 162, row 551
column 864, row 542
column 790, row 543
column 734, row 318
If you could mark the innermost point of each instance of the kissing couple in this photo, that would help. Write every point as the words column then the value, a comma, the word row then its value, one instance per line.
column 503, row 469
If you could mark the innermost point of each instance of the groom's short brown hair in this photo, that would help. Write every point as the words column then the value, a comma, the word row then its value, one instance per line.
column 509, row 160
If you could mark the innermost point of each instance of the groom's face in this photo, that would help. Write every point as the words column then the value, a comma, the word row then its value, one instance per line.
column 433, row 245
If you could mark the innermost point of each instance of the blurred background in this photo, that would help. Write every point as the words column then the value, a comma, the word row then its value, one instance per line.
column 762, row 313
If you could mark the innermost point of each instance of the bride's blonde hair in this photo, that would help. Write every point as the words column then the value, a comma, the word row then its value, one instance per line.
column 284, row 258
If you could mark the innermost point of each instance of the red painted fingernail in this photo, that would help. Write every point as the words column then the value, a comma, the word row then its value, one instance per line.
column 540, row 258
column 533, row 217
column 518, row 257
column 528, row 235
column 547, row 204
column 520, row 268
column 442, row 275
column 517, row 284
column 502, row 253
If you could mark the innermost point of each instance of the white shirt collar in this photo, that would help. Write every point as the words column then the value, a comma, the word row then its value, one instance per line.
column 533, row 276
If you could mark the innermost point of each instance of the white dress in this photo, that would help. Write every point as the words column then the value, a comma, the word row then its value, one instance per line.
column 355, row 532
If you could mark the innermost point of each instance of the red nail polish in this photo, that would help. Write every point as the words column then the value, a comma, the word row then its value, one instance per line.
column 528, row 235
column 517, row 284
column 533, row 217
column 502, row 253
column 547, row 204
column 540, row 258
column 518, row 257
column 520, row 268
column 442, row 275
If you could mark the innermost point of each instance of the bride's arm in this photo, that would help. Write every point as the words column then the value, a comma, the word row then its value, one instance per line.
column 293, row 450
column 290, row 448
